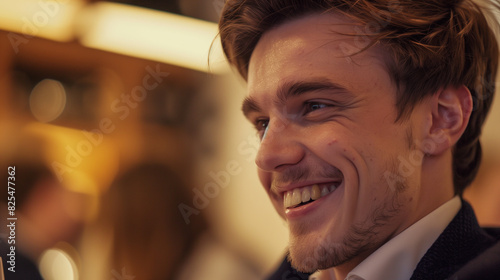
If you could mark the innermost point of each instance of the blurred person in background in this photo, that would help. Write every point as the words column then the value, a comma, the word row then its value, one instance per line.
column 48, row 212
column 369, row 114
column 45, row 212
column 31, row 179
column 150, row 239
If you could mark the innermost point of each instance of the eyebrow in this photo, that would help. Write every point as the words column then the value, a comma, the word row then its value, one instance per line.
column 291, row 89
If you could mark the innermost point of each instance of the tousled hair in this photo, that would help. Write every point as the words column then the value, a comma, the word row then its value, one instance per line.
column 432, row 44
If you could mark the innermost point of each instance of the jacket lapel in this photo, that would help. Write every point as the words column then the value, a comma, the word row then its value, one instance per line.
column 461, row 241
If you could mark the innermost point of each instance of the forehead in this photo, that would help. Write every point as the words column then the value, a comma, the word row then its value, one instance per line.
column 316, row 46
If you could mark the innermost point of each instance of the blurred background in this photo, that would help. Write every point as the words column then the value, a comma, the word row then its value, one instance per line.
column 132, row 159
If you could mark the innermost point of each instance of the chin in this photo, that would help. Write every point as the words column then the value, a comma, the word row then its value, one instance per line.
column 308, row 257
column 312, row 260
column 302, row 263
column 309, row 253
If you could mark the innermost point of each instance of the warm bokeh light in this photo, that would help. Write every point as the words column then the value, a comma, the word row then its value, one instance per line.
column 77, row 157
column 56, row 264
column 46, row 19
column 47, row 100
column 123, row 29
column 153, row 35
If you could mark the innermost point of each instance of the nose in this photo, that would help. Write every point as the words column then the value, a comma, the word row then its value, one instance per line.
column 279, row 147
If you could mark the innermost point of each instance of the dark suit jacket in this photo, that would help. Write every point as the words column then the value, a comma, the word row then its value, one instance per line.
column 464, row 251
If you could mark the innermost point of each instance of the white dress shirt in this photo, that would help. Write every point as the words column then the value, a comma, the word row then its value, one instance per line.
column 398, row 257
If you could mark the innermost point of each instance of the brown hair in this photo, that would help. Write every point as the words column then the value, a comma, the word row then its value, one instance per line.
column 432, row 44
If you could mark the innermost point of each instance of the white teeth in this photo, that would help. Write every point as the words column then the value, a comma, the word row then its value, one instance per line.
column 288, row 199
column 306, row 194
column 296, row 197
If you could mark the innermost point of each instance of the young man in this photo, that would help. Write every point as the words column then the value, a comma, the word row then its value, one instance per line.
column 369, row 113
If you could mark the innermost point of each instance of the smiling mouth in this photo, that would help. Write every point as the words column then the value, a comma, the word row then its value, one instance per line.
column 305, row 195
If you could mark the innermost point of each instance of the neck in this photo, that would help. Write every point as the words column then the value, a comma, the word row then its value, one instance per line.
column 436, row 186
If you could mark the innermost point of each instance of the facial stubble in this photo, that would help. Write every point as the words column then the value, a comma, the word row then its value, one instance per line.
column 309, row 253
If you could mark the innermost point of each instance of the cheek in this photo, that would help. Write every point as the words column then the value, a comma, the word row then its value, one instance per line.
column 361, row 159
column 335, row 148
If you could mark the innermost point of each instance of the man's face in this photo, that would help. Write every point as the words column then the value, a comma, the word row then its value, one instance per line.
column 331, row 146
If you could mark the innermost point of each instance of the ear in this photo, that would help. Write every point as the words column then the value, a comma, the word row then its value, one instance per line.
column 451, row 109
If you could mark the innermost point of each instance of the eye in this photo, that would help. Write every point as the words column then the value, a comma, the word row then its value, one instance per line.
column 261, row 125
column 313, row 106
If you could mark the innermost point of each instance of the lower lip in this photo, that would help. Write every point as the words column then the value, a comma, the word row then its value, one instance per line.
column 303, row 210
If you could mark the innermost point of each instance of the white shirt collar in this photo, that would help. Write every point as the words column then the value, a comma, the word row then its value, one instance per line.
column 398, row 258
